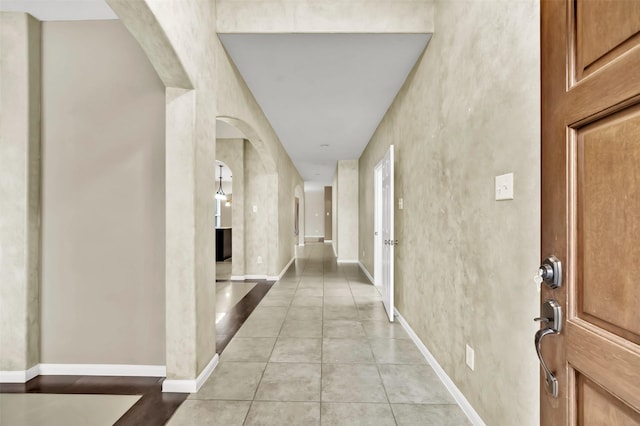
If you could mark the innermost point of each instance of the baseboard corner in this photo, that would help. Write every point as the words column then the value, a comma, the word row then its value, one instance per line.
column 366, row 272
column 191, row 385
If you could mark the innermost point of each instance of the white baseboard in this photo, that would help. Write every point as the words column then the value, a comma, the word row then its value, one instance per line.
column 20, row 376
column 255, row 277
column 335, row 253
column 328, row 241
column 191, row 386
column 263, row 277
column 444, row 377
column 82, row 370
column 364, row 270
column 347, row 261
column 284, row 270
column 103, row 370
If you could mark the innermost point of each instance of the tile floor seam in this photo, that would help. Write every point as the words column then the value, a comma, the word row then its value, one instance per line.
column 386, row 393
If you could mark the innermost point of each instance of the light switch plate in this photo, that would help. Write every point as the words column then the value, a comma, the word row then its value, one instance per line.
column 504, row 187
column 470, row 357
column 400, row 204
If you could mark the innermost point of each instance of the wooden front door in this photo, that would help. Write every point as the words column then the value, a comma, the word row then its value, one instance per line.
column 591, row 207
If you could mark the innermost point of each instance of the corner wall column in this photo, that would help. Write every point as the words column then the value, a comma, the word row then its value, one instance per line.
column 20, row 153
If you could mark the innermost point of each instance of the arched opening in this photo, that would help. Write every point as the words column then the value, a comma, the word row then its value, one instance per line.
column 223, row 219
column 254, row 206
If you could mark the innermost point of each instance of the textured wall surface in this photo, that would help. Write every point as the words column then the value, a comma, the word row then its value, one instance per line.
column 347, row 210
column 174, row 36
column 258, row 224
column 20, row 206
column 329, row 16
column 231, row 152
column 469, row 111
column 103, row 258
column 314, row 219
column 334, row 212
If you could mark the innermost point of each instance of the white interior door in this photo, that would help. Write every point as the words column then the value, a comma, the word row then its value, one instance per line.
column 386, row 224
column 377, row 227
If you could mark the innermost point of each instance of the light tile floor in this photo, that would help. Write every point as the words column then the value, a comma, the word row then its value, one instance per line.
column 319, row 349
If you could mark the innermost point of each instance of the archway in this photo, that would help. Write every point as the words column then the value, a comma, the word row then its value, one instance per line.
column 223, row 221
column 255, row 208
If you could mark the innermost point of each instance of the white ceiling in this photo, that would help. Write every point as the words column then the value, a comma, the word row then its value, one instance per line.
column 319, row 89
column 61, row 10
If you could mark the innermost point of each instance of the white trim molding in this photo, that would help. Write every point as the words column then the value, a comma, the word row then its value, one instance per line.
column 83, row 370
column 103, row 370
column 193, row 385
column 20, row 376
column 255, row 277
column 284, row 270
column 466, row 407
column 237, row 278
column 364, row 270
column 347, row 261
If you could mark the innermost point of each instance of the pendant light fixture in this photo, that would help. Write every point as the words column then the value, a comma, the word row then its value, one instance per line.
column 220, row 195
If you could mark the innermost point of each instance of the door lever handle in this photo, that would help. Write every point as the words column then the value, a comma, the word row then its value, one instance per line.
column 551, row 316
column 551, row 382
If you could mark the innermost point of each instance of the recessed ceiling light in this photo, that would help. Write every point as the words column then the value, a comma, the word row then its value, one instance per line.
column 324, row 145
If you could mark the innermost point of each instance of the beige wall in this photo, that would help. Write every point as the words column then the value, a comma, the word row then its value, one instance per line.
column 469, row 111
column 20, row 205
column 103, row 198
column 258, row 224
column 334, row 212
column 347, row 220
column 324, row 16
column 186, row 68
column 314, row 213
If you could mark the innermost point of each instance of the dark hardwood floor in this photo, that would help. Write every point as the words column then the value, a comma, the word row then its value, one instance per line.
column 231, row 323
column 154, row 407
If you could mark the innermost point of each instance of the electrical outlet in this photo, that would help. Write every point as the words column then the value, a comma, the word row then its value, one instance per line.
column 255, row 208
column 400, row 204
column 470, row 357
column 259, row 260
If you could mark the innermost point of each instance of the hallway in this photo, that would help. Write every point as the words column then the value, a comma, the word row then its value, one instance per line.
column 318, row 349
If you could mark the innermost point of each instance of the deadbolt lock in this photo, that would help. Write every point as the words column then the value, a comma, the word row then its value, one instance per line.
column 550, row 272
